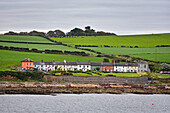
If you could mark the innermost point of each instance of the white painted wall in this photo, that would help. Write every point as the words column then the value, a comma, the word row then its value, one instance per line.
column 72, row 67
column 120, row 68
column 39, row 67
column 49, row 67
column 84, row 67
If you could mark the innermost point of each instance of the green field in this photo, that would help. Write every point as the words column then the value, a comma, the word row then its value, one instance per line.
column 104, row 74
column 130, row 51
column 155, row 54
column 164, row 76
column 13, row 58
column 42, row 47
column 24, row 38
column 151, row 40
column 154, row 57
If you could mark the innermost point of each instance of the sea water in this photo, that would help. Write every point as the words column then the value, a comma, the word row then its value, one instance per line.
column 85, row 103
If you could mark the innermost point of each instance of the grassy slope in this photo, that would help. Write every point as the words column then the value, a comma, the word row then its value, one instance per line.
column 156, row 54
column 104, row 74
column 42, row 47
column 130, row 51
column 155, row 57
column 13, row 58
column 126, row 40
column 24, row 38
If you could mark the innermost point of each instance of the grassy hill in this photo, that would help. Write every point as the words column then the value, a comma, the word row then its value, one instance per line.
column 148, row 42
column 13, row 58
column 151, row 40
column 24, row 38
column 130, row 51
column 155, row 54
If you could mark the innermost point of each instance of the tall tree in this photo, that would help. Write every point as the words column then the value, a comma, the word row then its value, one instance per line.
column 51, row 34
column 76, row 32
column 89, row 31
column 59, row 33
column 36, row 33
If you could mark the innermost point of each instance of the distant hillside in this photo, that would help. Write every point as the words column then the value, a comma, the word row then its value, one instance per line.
column 24, row 38
column 13, row 58
column 149, row 40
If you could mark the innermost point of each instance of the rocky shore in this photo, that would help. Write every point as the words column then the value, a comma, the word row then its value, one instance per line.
column 52, row 88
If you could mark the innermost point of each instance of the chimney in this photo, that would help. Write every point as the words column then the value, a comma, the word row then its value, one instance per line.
column 42, row 60
column 53, row 60
column 65, row 61
column 101, row 62
column 114, row 61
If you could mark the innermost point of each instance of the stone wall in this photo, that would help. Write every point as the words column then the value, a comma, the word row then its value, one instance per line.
column 97, row 80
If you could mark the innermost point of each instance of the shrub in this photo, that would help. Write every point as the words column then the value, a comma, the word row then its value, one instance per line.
column 110, row 75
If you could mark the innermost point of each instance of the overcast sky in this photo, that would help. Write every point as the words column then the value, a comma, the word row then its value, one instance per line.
column 118, row 16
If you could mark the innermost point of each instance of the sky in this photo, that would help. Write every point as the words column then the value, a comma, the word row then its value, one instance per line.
column 117, row 16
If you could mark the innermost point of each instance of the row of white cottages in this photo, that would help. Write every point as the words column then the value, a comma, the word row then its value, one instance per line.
column 85, row 66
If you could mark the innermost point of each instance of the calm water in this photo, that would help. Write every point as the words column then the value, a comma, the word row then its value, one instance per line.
column 85, row 103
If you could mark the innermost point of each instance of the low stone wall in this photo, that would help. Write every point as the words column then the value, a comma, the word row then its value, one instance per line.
column 97, row 80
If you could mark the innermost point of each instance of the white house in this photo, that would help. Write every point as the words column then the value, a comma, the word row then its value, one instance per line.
column 143, row 66
column 49, row 66
column 121, row 67
column 72, row 66
column 39, row 65
column 84, row 66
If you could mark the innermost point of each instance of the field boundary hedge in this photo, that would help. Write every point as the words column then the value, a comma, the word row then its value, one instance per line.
column 45, row 51
column 57, row 43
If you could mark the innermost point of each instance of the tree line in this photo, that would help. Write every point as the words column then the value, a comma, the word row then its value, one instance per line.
column 80, row 53
column 58, row 33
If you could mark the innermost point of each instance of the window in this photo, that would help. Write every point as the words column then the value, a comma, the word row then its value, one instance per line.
column 79, row 66
column 144, row 66
column 23, row 64
column 27, row 64
column 30, row 64
column 87, row 66
column 84, row 66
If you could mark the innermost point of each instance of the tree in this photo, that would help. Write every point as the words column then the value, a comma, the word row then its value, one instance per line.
column 36, row 33
column 11, row 33
column 106, row 60
column 59, row 33
column 89, row 31
column 23, row 33
column 50, row 34
column 157, row 68
column 87, row 28
column 165, row 67
column 98, row 68
column 76, row 32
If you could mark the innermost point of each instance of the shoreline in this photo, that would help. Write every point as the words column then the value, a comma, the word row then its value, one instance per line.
column 70, row 88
